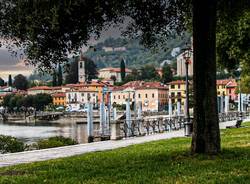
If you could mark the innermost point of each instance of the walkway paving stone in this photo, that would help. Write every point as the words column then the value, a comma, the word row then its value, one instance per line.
column 66, row 151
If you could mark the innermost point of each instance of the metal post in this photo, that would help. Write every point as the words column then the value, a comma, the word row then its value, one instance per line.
column 178, row 108
column 170, row 107
column 128, row 117
column 139, row 115
column 102, row 118
column 222, row 104
column 226, row 104
column 90, row 122
column 188, row 125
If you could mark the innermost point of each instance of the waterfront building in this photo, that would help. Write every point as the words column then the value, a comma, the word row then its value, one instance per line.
column 181, row 66
column 227, row 87
column 152, row 95
column 59, row 99
column 77, row 98
column 44, row 89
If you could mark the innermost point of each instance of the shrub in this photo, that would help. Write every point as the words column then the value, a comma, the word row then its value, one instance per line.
column 55, row 142
column 9, row 144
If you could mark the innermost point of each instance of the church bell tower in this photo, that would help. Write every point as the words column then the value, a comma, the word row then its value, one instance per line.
column 81, row 69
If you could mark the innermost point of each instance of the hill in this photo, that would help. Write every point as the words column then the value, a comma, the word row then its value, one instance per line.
column 110, row 52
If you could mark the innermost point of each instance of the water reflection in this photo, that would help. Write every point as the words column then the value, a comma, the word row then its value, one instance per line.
column 30, row 133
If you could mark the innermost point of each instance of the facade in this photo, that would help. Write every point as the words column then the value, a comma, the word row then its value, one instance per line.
column 81, row 70
column 108, row 73
column 152, row 95
column 77, row 98
column 43, row 89
column 181, row 66
column 227, row 87
column 177, row 91
column 59, row 99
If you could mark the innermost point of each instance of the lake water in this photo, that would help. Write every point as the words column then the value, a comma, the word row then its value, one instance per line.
column 30, row 133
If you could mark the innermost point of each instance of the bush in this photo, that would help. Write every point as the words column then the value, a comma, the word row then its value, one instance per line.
column 9, row 144
column 55, row 142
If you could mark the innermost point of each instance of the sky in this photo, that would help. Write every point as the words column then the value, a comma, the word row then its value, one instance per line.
column 14, row 66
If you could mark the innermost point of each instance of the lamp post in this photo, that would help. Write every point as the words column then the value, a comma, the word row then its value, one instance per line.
column 239, row 99
column 188, row 124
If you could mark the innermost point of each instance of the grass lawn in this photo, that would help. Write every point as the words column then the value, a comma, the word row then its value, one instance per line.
column 166, row 161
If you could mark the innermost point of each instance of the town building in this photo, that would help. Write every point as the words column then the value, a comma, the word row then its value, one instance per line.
column 227, row 87
column 177, row 91
column 152, row 95
column 44, row 89
column 59, row 99
column 181, row 66
column 109, row 73
column 78, row 98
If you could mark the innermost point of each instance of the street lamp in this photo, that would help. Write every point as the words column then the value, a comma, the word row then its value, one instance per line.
column 239, row 99
column 188, row 125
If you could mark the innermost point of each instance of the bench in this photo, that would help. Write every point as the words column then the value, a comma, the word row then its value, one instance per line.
column 237, row 125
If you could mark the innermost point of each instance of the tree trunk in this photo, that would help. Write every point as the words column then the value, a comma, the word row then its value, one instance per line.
column 206, row 134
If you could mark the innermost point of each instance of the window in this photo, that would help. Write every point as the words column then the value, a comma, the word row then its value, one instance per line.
column 172, row 94
column 114, row 96
column 119, row 97
column 146, row 95
column 139, row 95
column 179, row 86
column 172, row 86
column 153, row 95
column 82, row 94
column 123, row 96
column 80, row 64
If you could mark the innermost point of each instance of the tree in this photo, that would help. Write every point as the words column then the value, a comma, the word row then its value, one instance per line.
column 2, row 83
column 90, row 69
column 54, row 80
column 20, row 82
column 123, row 69
column 10, row 81
column 167, row 75
column 40, row 101
column 72, row 74
column 149, row 72
column 60, row 76
column 62, row 27
column 113, row 77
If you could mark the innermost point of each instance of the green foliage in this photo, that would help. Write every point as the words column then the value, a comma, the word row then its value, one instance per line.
column 59, row 76
column 17, row 102
column 167, row 75
column 165, row 161
column 136, row 55
column 55, row 142
column 123, row 69
column 10, row 81
column 72, row 74
column 54, row 80
column 41, row 101
column 149, row 73
column 10, row 144
column 20, row 82
column 2, row 83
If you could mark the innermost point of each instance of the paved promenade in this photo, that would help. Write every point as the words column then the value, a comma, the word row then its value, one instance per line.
column 66, row 151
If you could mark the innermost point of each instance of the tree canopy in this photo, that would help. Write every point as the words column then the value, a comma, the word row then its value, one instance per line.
column 20, row 82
